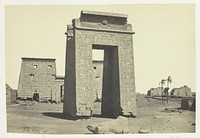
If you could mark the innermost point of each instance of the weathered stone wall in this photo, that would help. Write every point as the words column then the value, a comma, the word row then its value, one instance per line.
column 69, row 105
column 85, row 40
column 115, row 38
column 11, row 95
column 37, row 75
column 57, row 92
column 155, row 92
column 182, row 91
column 98, row 77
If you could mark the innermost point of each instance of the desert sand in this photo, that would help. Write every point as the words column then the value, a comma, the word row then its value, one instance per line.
column 152, row 117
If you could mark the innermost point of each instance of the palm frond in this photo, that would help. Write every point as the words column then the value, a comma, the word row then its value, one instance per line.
column 169, row 79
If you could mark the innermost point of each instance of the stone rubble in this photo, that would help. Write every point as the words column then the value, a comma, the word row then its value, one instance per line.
column 118, row 126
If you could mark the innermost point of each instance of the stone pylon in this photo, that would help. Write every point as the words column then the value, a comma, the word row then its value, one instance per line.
column 109, row 32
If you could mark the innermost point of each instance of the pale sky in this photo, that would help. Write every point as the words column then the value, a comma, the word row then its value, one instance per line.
column 164, row 39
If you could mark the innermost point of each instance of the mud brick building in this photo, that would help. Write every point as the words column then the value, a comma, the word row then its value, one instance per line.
column 155, row 91
column 38, row 77
column 109, row 32
column 184, row 91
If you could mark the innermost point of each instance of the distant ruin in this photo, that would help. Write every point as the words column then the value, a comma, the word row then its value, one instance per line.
column 11, row 95
column 109, row 32
column 155, row 92
column 38, row 80
column 184, row 91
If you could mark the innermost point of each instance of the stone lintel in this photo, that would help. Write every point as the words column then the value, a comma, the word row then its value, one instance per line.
column 85, row 12
column 104, row 30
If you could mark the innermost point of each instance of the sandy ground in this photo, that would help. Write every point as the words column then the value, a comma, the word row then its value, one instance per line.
column 44, row 118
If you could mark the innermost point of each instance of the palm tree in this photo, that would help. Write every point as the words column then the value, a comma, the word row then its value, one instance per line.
column 162, row 83
column 169, row 80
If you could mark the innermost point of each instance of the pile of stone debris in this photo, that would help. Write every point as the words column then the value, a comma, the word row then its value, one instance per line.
column 186, row 104
column 169, row 110
column 118, row 126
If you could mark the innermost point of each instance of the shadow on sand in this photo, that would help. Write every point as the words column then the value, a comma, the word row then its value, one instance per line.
column 97, row 116
column 100, row 116
column 54, row 115
column 61, row 116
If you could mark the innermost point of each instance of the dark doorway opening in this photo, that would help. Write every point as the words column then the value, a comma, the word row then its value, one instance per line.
column 36, row 97
column 62, row 92
column 110, row 99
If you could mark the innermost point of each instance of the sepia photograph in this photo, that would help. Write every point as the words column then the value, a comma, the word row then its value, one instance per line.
column 100, row 69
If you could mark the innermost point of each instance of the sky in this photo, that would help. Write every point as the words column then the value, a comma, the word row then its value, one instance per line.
column 164, row 39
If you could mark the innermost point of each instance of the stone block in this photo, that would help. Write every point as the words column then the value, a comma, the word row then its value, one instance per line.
column 117, row 126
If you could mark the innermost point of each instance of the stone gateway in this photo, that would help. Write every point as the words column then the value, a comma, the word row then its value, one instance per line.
column 109, row 32
column 38, row 80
